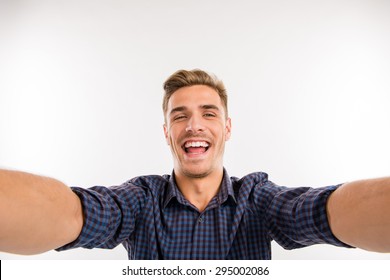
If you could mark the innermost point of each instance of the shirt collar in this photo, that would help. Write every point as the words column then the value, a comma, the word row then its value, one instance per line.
column 225, row 191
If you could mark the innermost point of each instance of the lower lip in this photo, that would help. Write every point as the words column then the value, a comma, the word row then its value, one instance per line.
column 196, row 155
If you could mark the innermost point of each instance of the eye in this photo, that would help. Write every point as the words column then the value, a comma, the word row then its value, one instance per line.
column 179, row 117
column 209, row 115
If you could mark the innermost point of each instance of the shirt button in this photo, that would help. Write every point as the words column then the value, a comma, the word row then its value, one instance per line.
column 200, row 220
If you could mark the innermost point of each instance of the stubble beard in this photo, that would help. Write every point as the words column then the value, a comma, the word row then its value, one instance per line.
column 198, row 175
column 199, row 172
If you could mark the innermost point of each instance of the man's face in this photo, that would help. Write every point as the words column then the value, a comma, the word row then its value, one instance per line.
column 196, row 129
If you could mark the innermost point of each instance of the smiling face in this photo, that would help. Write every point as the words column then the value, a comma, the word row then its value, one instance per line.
column 196, row 129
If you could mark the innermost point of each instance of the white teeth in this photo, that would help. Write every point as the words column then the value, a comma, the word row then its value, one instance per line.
column 196, row 144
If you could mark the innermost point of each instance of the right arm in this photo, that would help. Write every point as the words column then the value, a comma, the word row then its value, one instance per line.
column 37, row 213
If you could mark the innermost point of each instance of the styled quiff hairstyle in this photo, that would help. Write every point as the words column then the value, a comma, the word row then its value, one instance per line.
column 185, row 78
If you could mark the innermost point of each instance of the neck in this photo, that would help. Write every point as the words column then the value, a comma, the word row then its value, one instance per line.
column 199, row 191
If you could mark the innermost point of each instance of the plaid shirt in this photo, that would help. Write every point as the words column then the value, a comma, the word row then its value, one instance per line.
column 153, row 220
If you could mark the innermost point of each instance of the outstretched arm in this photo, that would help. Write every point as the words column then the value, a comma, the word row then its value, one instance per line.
column 37, row 213
column 359, row 214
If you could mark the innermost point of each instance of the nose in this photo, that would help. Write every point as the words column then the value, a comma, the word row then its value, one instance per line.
column 195, row 124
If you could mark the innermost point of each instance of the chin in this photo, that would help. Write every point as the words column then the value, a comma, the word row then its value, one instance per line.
column 196, row 175
column 196, row 172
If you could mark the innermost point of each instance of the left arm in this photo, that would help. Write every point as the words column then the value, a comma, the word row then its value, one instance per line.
column 359, row 214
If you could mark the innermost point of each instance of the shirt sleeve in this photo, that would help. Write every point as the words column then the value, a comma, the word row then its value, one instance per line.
column 110, row 215
column 297, row 217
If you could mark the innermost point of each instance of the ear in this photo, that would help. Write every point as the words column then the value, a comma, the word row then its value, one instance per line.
column 166, row 133
column 228, row 129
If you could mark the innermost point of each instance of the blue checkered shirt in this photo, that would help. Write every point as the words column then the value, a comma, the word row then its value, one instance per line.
column 153, row 220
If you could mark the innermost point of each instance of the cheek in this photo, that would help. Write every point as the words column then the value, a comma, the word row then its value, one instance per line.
column 172, row 135
column 221, row 131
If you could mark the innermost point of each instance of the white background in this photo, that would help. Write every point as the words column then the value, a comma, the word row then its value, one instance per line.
column 308, row 82
column 191, row 269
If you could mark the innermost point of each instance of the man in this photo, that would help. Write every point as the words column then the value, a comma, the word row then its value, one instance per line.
column 198, row 212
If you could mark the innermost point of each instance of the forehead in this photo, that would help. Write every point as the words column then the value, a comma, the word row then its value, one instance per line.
column 193, row 96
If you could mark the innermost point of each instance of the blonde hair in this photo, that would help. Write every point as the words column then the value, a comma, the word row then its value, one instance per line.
column 185, row 78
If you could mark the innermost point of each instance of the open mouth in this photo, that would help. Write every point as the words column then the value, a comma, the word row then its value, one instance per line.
column 196, row 147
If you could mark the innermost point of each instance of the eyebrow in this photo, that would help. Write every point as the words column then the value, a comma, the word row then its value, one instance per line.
column 184, row 108
column 209, row 107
